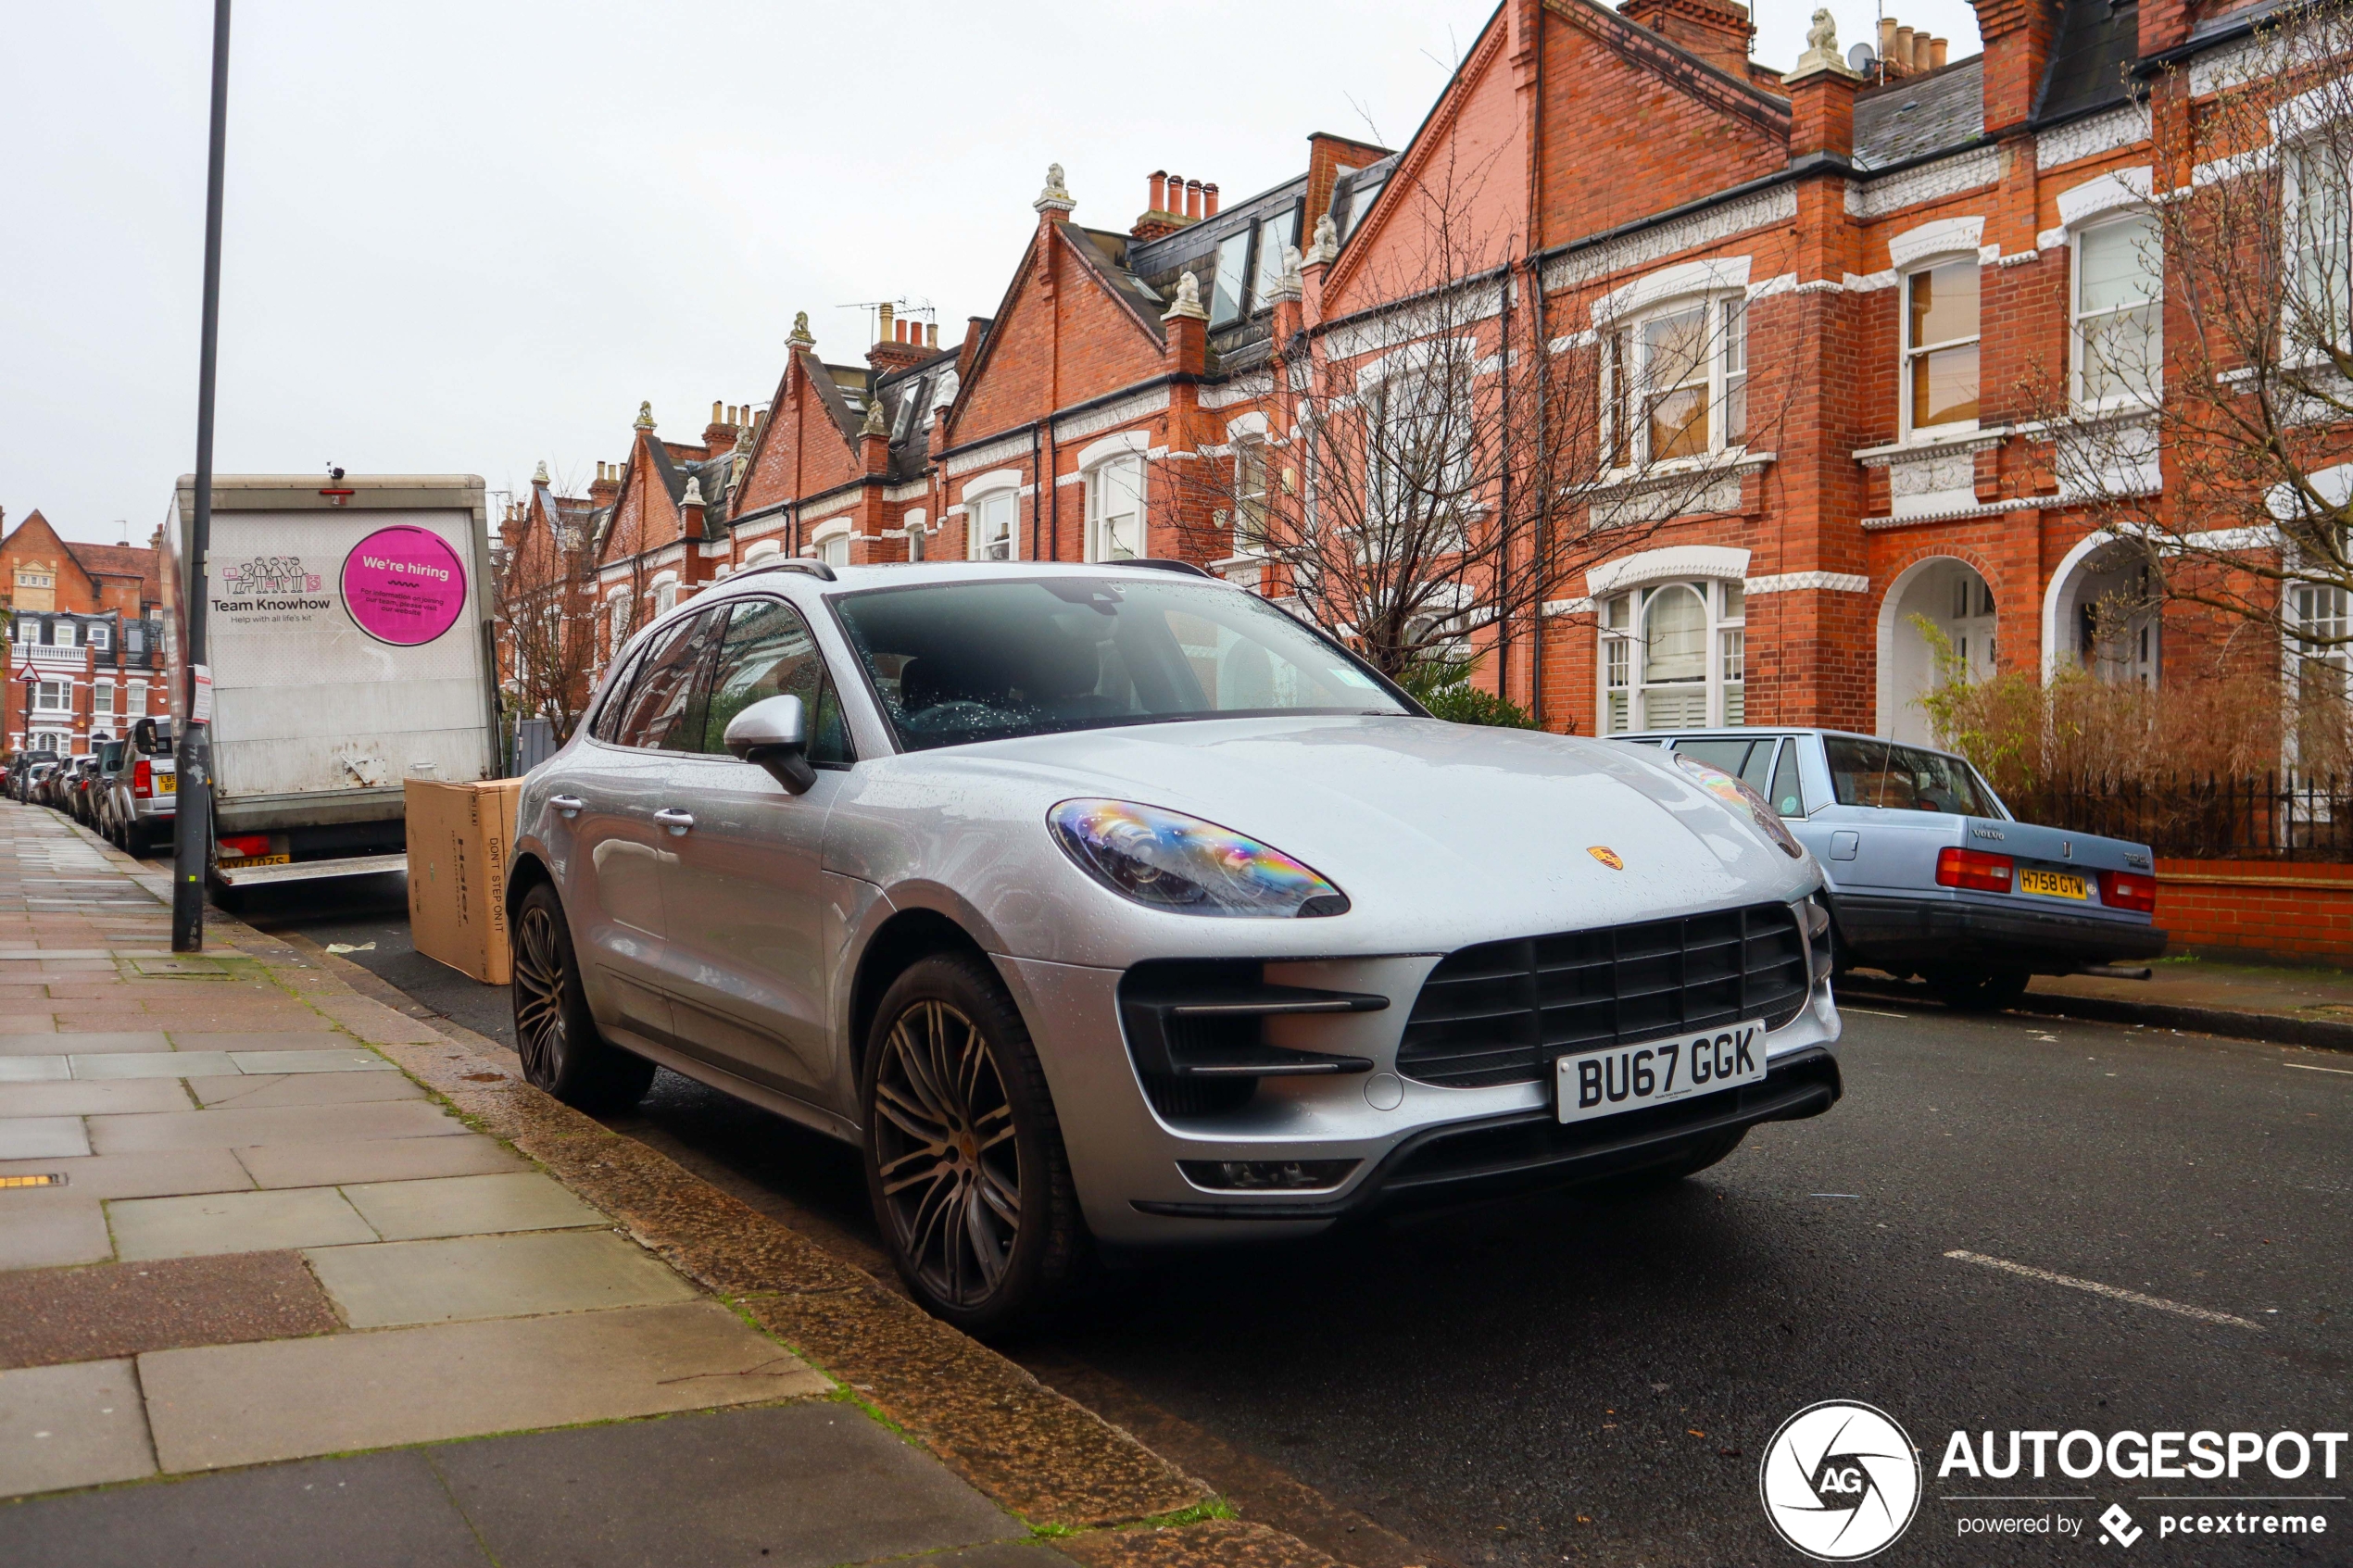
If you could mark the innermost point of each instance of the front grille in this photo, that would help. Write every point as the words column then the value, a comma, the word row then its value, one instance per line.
column 1502, row 1011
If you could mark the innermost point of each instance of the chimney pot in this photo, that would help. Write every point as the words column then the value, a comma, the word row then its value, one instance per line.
column 1936, row 47
column 884, row 334
column 715, row 406
column 931, row 335
column 1160, row 191
column 1209, row 201
column 1886, row 37
column 1902, row 53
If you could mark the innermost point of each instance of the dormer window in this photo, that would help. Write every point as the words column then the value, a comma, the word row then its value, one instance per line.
column 1231, row 287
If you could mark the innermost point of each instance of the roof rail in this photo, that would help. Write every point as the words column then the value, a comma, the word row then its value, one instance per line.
column 1159, row 563
column 816, row 569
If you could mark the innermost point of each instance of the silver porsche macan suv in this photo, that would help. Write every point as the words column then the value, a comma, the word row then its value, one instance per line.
column 1114, row 904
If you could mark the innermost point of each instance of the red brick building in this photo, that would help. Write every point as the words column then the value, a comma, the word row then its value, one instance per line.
column 1878, row 268
column 83, row 656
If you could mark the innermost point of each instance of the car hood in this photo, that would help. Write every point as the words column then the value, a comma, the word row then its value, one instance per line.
column 1444, row 833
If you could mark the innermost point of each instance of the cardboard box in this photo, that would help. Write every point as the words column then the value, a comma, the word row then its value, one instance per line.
column 459, row 836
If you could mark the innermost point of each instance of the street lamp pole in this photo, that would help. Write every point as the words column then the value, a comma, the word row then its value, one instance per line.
column 192, row 814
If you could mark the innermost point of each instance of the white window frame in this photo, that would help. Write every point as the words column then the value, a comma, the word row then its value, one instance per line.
column 1625, row 695
column 1906, row 350
column 977, row 504
column 2297, row 255
column 52, row 696
column 135, row 700
column 101, row 699
column 761, row 551
column 2078, row 316
column 1626, row 369
column 1100, row 479
column 99, row 638
column 665, row 587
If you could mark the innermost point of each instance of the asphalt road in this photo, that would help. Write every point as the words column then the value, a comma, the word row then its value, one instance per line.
column 1595, row 1379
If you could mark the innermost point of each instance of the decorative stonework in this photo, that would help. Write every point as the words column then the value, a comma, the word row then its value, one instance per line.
column 1821, row 51
column 877, row 422
column 1111, row 416
column 1055, row 197
column 1325, row 249
column 2091, row 135
column 1241, row 389
column 644, row 420
column 1961, row 513
column 988, row 456
column 1656, row 497
column 1720, row 222
column 801, row 337
column 1930, row 182
column 1932, row 477
column 1796, row 582
column 1188, row 300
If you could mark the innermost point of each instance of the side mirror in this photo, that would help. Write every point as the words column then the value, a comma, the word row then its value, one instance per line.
column 773, row 734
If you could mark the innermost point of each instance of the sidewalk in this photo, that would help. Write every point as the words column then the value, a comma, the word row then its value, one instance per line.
column 356, row 1295
column 2279, row 1003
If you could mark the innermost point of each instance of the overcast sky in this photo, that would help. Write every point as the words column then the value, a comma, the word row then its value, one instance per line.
column 464, row 237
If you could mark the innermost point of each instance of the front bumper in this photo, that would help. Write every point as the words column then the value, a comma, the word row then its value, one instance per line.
column 1407, row 1141
column 1906, row 934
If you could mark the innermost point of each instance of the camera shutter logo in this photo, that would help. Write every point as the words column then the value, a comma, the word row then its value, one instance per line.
column 1841, row 1481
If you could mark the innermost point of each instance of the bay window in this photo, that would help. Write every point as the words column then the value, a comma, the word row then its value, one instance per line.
column 1674, row 657
column 2120, row 271
column 1940, row 346
column 1115, row 510
column 1675, row 381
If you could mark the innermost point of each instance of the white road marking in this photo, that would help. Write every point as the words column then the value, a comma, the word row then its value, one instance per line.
column 2307, row 1067
column 1845, row 1007
column 2114, row 1293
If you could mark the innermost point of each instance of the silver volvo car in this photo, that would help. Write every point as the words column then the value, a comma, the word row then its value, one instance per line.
column 1114, row 904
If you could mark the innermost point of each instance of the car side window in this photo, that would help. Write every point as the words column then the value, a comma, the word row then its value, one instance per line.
column 665, row 707
column 1788, row 797
column 608, row 722
column 769, row 652
column 1730, row 756
column 1858, row 770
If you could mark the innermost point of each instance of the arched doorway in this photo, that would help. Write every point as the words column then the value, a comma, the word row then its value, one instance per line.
column 2102, row 615
column 1950, row 595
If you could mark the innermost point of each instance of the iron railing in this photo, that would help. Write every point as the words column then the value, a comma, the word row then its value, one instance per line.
column 2275, row 816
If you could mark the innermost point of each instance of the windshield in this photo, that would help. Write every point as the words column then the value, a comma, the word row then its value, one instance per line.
column 1904, row 778
column 956, row 663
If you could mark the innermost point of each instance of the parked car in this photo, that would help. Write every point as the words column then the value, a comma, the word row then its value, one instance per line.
column 89, row 772
column 24, row 771
column 1930, row 874
column 51, row 784
column 1112, row 904
column 136, row 797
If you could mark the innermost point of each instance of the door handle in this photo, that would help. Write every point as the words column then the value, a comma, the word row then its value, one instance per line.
column 570, row 805
column 677, row 821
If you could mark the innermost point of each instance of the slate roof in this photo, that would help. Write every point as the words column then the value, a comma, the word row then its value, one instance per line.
column 2091, row 55
column 119, row 560
column 909, row 395
column 1243, row 343
column 1920, row 115
column 716, row 475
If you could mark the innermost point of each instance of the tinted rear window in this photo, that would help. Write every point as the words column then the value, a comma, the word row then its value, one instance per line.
column 1903, row 778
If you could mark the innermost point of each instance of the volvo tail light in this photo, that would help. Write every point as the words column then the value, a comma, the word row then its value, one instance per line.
column 2129, row 890
column 1973, row 868
column 143, row 780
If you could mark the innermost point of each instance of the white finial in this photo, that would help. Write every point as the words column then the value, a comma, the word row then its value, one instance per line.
column 541, row 477
column 644, row 417
column 1188, row 300
column 694, row 491
column 1055, row 197
column 1325, row 249
column 801, row 338
column 1822, row 50
column 1288, row 285
column 877, row 423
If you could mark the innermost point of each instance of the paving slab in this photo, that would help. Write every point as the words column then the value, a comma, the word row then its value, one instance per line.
column 469, row 1206
column 49, row 1227
column 249, row 1089
column 320, row 1038
column 26, row 1030
column 796, row 1486
column 356, row 1060
column 295, row 1398
column 491, row 1277
column 152, row 1064
column 33, row 1069
column 42, row 1137
column 234, row 1129
column 71, row 1098
column 48, row 1316
column 140, row 1176
column 75, row 1426
column 376, row 1159
column 370, row 1510
column 234, row 1222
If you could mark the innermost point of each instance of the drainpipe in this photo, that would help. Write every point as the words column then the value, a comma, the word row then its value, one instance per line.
column 1504, row 498
column 1037, row 439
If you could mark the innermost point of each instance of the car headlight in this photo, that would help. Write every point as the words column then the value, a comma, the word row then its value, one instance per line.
column 1736, row 793
column 1167, row 861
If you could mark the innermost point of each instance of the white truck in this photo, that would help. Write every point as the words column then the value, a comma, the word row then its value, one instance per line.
column 349, row 629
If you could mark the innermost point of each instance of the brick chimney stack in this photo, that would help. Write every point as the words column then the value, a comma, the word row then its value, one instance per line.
column 2018, row 36
column 719, row 435
column 1716, row 30
column 898, row 343
column 607, row 486
column 1908, row 51
column 1161, row 214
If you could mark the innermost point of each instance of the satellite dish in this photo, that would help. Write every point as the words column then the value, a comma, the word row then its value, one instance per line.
column 1860, row 58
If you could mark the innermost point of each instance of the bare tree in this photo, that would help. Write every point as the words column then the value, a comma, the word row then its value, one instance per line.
column 2204, row 415
column 546, row 590
column 1437, row 469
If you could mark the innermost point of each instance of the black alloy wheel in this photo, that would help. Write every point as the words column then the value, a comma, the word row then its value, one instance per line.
column 964, row 1153
column 555, row 1034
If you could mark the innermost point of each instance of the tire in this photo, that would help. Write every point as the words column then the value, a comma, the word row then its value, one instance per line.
column 964, row 1159
column 137, row 842
column 1979, row 990
column 563, row 1051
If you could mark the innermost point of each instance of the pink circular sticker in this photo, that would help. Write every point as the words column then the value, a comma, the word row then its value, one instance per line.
column 404, row 585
